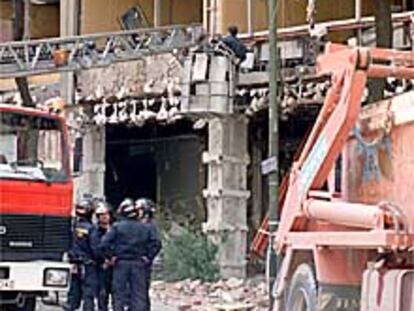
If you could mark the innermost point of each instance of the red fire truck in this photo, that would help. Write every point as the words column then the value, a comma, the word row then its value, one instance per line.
column 36, row 192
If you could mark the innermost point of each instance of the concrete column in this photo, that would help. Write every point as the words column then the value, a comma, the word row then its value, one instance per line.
column 92, row 178
column 68, row 27
column 226, row 194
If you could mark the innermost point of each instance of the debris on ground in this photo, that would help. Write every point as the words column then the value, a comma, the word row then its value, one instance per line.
column 232, row 294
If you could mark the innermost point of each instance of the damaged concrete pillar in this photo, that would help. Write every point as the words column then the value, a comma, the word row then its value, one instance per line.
column 226, row 194
column 92, row 178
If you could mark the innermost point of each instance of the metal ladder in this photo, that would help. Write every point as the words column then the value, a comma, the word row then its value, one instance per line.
column 35, row 57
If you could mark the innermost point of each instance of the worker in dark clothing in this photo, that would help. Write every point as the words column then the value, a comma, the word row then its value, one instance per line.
column 146, row 210
column 234, row 43
column 82, row 256
column 133, row 246
column 104, row 266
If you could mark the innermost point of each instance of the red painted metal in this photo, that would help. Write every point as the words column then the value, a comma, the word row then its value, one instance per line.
column 348, row 239
column 261, row 239
column 36, row 197
column 355, row 227
column 331, row 130
column 345, row 213
column 349, row 69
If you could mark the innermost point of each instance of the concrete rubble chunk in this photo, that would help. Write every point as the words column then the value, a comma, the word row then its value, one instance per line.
column 234, row 283
column 233, row 293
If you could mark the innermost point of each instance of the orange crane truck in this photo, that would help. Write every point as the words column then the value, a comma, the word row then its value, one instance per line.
column 346, row 232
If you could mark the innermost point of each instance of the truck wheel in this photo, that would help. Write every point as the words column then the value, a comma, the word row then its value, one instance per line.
column 303, row 290
column 29, row 305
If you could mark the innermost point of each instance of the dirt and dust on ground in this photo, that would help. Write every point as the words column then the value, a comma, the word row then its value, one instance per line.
column 224, row 295
column 231, row 294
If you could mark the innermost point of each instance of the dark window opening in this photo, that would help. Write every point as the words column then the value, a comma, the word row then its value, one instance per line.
column 78, row 155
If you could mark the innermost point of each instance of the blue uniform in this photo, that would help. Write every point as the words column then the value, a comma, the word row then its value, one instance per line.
column 154, row 233
column 236, row 46
column 82, row 254
column 134, row 246
column 104, row 273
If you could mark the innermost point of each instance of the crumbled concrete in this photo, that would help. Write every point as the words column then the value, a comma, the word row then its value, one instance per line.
column 196, row 295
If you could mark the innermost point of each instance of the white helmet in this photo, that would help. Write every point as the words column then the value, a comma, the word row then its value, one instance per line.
column 101, row 208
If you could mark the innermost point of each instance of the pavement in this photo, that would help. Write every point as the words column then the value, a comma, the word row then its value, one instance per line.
column 156, row 306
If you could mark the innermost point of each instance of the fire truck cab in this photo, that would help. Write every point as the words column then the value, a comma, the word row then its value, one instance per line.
column 36, row 192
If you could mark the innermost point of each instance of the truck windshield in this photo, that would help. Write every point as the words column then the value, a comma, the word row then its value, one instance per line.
column 31, row 147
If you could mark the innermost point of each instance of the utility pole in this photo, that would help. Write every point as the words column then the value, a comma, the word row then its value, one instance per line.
column 273, row 177
column 157, row 13
column 384, row 39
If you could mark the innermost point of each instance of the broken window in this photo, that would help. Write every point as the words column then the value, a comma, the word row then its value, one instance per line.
column 134, row 18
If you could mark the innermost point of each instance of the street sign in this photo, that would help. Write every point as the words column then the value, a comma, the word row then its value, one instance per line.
column 269, row 166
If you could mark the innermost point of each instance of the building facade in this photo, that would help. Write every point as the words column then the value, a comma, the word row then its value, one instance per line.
column 202, row 169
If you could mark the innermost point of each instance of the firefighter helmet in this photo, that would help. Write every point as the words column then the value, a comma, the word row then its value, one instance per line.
column 127, row 208
column 147, row 207
column 101, row 208
column 84, row 208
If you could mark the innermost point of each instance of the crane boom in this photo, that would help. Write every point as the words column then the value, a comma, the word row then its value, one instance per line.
column 27, row 58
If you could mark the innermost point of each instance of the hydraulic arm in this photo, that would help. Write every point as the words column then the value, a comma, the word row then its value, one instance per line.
column 323, row 224
column 349, row 70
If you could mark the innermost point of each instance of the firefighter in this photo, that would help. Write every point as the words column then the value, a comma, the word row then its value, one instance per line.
column 146, row 210
column 104, row 266
column 82, row 256
column 132, row 247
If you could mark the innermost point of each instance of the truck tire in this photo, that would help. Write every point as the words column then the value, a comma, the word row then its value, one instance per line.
column 29, row 305
column 303, row 290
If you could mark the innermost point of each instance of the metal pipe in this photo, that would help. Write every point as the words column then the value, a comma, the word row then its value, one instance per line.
column 250, row 27
column 392, row 56
column 358, row 13
column 383, row 71
column 331, row 26
column 213, row 14
column 157, row 13
column 358, row 16
column 345, row 213
column 26, row 28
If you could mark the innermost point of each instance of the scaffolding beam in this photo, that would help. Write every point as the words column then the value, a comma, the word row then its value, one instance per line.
column 27, row 58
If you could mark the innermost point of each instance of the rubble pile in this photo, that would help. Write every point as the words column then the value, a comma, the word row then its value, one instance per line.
column 231, row 294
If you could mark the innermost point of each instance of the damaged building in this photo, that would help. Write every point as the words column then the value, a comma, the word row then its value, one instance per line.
column 186, row 129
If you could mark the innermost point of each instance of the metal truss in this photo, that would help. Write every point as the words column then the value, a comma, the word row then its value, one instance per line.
column 26, row 58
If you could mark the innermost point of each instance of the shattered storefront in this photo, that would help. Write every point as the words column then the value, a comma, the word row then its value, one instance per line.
column 147, row 133
column 159, row 162
column 147, row 148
